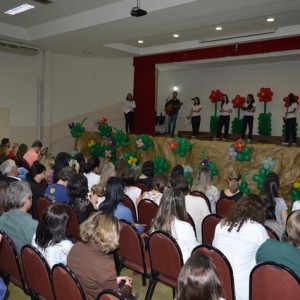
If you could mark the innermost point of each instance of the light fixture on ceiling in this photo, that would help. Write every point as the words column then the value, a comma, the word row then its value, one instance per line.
column 271, row 19
column 137, row 11
column 140, row 41
column 19, row 9
column 175, row 35
column 219, row 28
column 175, row 88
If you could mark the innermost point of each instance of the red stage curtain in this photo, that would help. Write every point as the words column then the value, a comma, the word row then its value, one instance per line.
column 144, row 95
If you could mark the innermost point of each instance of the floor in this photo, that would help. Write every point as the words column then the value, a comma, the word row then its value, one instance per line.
column 161, row 291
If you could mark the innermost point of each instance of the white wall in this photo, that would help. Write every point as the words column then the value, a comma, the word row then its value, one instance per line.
column 281, row 77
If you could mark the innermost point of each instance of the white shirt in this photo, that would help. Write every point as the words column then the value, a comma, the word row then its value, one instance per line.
column 196, row 107
column 197, row 208
column 296, row 205
column 227, row 106
column 133, row 192
column 240, row 249
column 184, row 235
column 280, row 205
column 56, row 253
column 92, row 178
column 291, row 108
column 249, row 113
column 129, row 106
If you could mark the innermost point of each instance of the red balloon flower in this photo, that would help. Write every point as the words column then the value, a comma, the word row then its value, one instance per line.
column 173, row 145
column 238, row 101
column 286, row 100
column 265, row 95
column 216, row 96
column 239, row 145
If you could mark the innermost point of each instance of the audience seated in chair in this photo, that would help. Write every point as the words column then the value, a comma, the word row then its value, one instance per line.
column 198, row 279
column 285, row 253
column 17, row 223
column 202, row 183
column 232, row 192
column 89, row 260
column 147, row 174
column 51, row 236
column 9, row 171
column 32, row 155
column 172, row 218
column 92, row 170
column 239, row 236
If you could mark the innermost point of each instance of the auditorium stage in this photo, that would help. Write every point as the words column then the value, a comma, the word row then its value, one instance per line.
column 287, row 159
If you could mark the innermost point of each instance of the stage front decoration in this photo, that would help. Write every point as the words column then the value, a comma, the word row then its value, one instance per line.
column 244, row 184
column 295, row 191
column 215, row 97
column 286, row 104
column 208, row 164
column 160, row 165
column 104, row 129
column 143, row 142
column 188, row 171
column 259, row 178
column 77, row 129
column 132, row 160
column 240, row 151
column 180, row 146
column 237, row 123
column 265, row 119
column 119, row 138
column 101, row 150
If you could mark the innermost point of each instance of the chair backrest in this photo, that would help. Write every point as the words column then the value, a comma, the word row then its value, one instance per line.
column 165, row 257
column 41, row 205
column 223, row 267
column 129, row 203
column 209, row 224
column 142, row 186
column 147, row 210
column 37, row 272
column 65, row 284
column 270, row 280
column 272, row 234
column 73, row 229
column 224, row 205
column 201, row 195
column 10, row 263
column 191, row 221
column 110, row 295
column 131, row 244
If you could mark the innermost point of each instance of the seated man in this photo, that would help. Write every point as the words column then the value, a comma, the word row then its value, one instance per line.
column 57, row 192
column 17, row 223
column 287, row 254
column 32, row 155
column 9, row 171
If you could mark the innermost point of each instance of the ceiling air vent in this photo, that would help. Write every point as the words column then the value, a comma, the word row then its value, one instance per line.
column 18, row 48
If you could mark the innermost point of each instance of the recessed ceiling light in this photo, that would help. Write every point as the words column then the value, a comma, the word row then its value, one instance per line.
column 140, row 41
column 175, row 35
column 19, row 9
column 270, row 19
column 219, row 28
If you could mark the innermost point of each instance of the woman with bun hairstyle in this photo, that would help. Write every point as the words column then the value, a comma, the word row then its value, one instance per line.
column 232, row 191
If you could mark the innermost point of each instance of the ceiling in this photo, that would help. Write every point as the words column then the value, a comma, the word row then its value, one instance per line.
column 105, row 29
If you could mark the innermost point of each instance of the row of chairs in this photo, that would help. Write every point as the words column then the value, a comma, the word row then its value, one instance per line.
column 31, row 272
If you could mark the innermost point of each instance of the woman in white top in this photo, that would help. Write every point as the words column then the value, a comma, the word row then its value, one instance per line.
column 202, row 183
column 290, row 121
column 92, row 167
column 224, row 119
column 172, row 218
column 129, row 112
column 239, row 236
column 51, row 237
column 271, row 186
column 249, row 110
column 195, row 116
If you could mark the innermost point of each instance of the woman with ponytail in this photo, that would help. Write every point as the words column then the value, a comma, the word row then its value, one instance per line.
column 234, row 181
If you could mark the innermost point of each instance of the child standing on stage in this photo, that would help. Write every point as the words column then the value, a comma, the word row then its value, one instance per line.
column 195, row 116
column 224, row 120
column 249, row 110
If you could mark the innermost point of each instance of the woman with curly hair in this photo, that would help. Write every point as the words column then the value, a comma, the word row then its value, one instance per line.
column 239, row 236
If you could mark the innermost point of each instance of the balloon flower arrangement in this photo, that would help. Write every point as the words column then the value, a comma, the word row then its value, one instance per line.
column 237, row 123
column 160, row 164
column 208, row 164
column 104, row 129
column 259, row 178
column 244, row 185
column 188, row 170
column 119, row 138
column 77, row 129
column 286, row 104
column 132, row 160
column 295, row 191
column 101, row 150
column 240, row 151
column 264, row 119
column 215, row 97
column 143, row 142
column 180, row 146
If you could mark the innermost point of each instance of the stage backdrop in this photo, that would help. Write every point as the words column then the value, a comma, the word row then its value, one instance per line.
column 287, row 159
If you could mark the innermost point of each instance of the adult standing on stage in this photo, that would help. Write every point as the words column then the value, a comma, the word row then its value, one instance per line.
column 290, row 120
column 224, row 119
column 195, row 116
column 129, row 112
column 249, row 110
column 172, row 107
